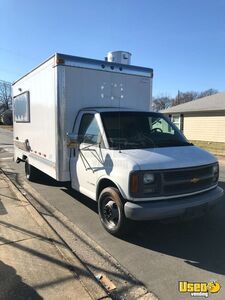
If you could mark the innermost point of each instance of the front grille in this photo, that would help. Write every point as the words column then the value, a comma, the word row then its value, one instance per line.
column 184, row 181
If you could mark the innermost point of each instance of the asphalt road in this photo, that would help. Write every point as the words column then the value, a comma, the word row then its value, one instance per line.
column 6, row 147
column 158, row 254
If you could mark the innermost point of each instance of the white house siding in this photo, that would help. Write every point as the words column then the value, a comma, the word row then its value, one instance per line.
column 205, row 127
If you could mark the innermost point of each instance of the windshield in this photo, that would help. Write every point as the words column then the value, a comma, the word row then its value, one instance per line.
column 137, row 130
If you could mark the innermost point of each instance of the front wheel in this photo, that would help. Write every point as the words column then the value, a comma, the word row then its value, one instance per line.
column 111, row 212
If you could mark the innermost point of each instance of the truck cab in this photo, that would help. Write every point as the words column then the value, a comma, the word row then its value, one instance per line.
column 137, row 165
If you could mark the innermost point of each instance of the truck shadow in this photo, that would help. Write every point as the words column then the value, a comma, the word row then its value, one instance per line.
column 66, row 188
column 82, row 199
column 44, row 179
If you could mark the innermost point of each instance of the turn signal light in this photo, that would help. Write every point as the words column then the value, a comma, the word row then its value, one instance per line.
column 134, row 183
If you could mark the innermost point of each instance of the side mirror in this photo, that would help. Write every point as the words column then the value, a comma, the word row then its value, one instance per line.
column 72, row 140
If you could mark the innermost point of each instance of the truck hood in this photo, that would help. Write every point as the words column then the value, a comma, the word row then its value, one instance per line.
column 170, row 158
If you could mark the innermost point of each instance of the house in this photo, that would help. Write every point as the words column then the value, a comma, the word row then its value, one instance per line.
column 202, row 121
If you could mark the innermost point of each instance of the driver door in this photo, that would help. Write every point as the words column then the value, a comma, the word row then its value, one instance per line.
column 87, row 157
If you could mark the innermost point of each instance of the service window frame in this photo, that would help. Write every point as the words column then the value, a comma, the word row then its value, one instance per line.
column 27, row 105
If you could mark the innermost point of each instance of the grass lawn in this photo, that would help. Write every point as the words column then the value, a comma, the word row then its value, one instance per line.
column 214, row 147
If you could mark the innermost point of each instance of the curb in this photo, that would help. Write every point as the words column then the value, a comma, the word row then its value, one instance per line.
column 88, row 281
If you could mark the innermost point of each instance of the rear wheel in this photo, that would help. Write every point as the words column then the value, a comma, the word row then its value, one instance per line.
column 111, row 212
column 30, row 171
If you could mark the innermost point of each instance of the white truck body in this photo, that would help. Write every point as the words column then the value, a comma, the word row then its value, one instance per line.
column 64, row 92
column 58, row 91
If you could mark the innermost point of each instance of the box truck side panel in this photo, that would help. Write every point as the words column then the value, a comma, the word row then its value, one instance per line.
column 35, row 118
column 82, row 87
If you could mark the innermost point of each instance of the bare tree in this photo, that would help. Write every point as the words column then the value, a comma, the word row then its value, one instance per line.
column 160, row 103
column 5, row 95
column 208, row 92
column 183, row 97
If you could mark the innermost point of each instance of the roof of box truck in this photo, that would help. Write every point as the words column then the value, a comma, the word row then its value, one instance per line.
column 112, row 109
column 84, row 62
column 69, row 59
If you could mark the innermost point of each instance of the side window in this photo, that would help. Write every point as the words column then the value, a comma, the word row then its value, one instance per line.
column 22, row 108
column 89, row 131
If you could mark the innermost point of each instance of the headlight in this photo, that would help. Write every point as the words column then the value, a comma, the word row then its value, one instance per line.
column 148, row 178
column 144, row 184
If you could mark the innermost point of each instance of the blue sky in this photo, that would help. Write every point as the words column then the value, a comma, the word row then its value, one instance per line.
column 182, row 40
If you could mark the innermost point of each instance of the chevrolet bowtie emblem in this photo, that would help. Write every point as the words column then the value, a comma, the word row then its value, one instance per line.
column 195, row 180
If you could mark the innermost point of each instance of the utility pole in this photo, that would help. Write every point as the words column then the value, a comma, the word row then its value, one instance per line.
column 178, row 97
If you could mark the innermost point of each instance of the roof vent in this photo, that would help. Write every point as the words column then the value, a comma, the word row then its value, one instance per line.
column 120, row 57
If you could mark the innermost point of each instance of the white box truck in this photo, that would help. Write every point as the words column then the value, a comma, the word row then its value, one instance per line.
column 90, row 122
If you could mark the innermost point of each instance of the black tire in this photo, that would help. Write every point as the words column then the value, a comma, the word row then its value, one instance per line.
column 30, row 171
column 111, row 212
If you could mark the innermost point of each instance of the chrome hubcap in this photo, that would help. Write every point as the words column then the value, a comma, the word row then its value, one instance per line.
column 110, row 213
